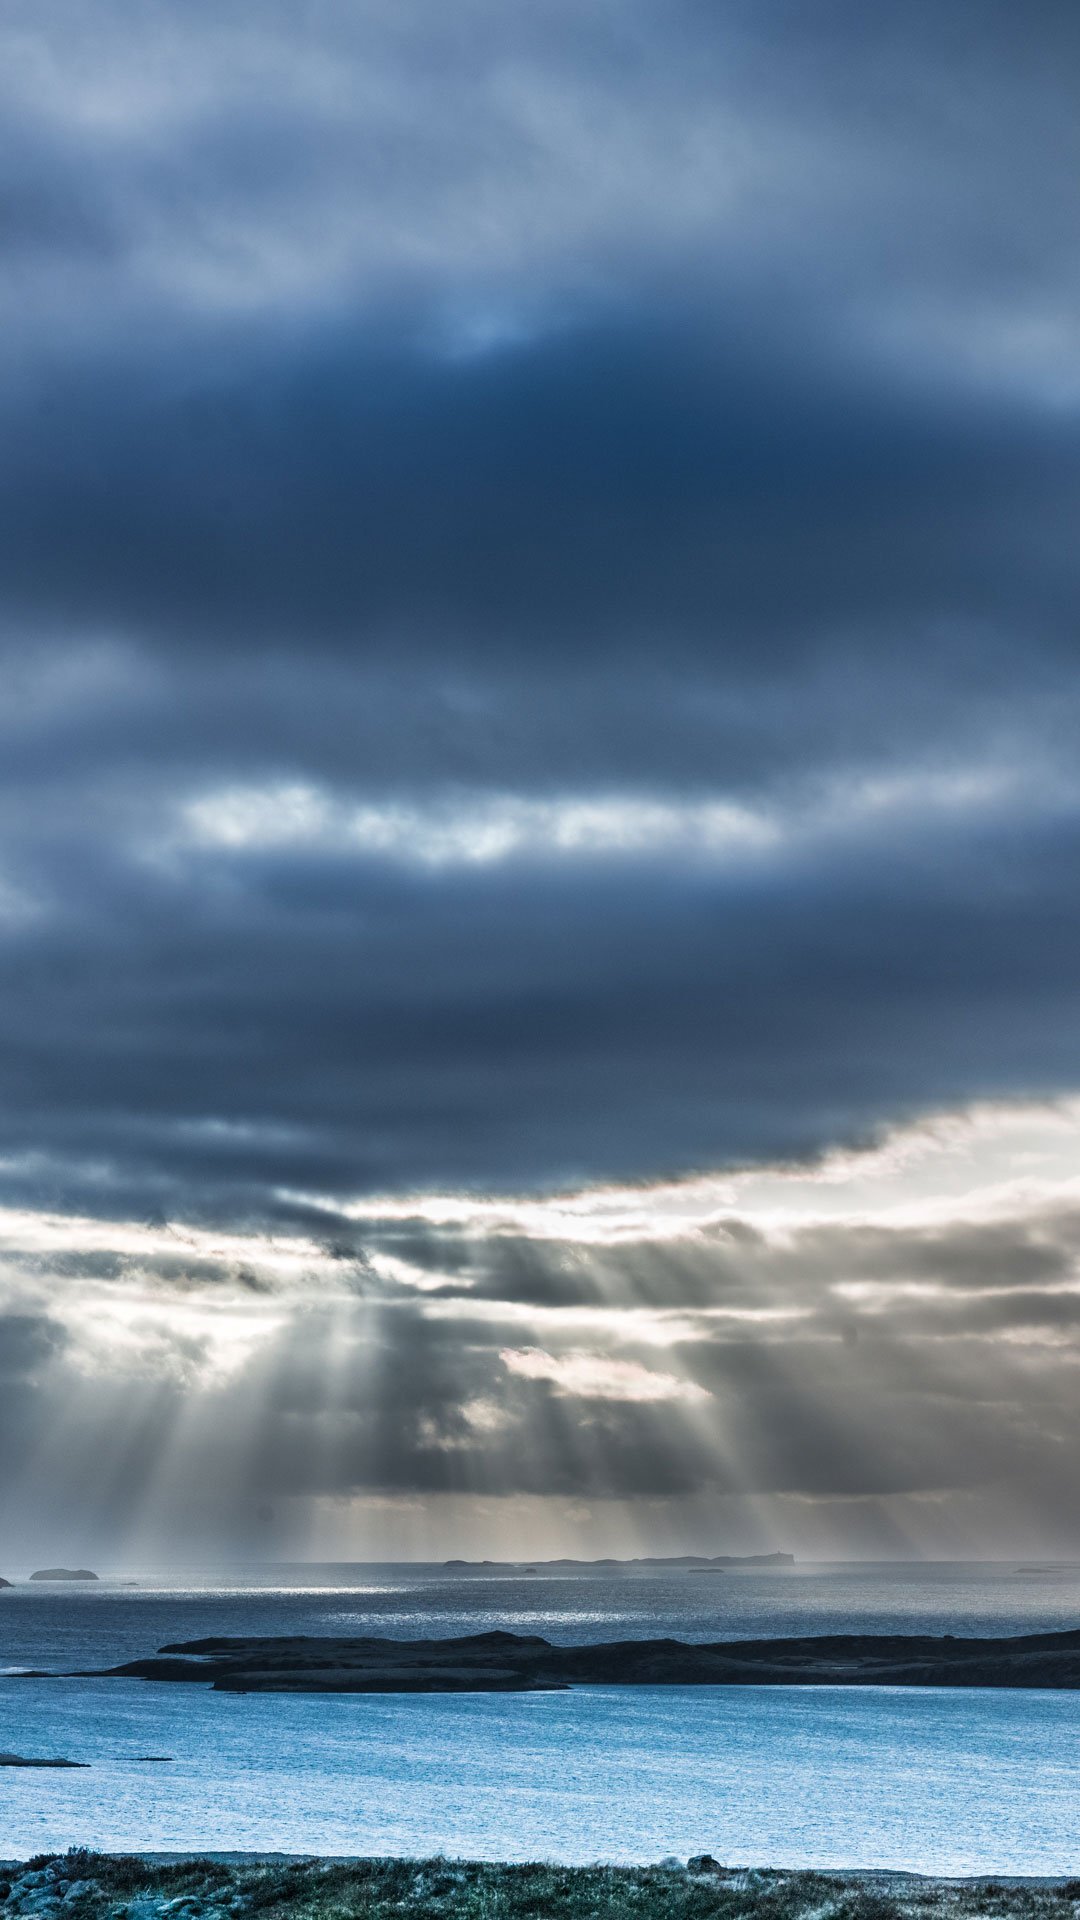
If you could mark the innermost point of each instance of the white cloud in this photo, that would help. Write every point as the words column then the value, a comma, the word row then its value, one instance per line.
column 481, row 830
column 487, row 829
column 595, row 1376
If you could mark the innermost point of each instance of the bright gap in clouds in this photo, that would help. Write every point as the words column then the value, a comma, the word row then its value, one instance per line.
column 485, row 829
column 476, row 832
column 592, row 1376
column 983, row 1162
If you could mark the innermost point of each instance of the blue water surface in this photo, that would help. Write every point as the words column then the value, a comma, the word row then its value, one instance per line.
column 971, row 1781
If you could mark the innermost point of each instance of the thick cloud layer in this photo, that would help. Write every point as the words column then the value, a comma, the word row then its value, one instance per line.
column 537, row 586
column 880, row 1354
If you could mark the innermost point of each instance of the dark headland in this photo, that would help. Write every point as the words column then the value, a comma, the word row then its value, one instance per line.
column 524, row 1663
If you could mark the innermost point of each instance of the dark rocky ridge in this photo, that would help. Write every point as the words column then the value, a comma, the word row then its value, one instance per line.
column 525, row 1663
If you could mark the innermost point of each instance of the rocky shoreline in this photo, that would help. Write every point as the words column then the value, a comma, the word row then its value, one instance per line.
column 501, row 1662
column 81, row 1885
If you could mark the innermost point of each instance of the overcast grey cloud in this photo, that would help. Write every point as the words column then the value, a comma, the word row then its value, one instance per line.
column 537, row 602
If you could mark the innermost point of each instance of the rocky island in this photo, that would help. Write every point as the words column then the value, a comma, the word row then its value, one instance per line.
column 501, row 1662
column 64, row 1573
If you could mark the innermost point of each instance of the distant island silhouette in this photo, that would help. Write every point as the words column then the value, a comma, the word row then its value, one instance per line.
column 64, row 1573
column 689, row 1560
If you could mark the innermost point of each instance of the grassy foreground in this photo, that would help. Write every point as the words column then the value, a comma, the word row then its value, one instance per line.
column 89, row 1886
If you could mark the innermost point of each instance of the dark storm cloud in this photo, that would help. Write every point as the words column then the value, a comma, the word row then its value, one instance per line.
column 725, row 484
column 250, row 1023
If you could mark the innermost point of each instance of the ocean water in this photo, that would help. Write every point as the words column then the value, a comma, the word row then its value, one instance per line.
column 933, row 1780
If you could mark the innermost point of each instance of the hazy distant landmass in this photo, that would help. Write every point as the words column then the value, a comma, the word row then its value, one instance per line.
column 702, row 1560
column 64, row 1573
column 500, row 1662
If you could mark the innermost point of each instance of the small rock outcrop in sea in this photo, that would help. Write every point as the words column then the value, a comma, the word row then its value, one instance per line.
column 64, row 1573
column 18, row 1760
column 5, row 1583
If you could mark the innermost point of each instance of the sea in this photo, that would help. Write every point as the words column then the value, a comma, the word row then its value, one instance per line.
column 929, row 1780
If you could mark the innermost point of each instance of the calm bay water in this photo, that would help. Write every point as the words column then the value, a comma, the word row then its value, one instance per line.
column 933, row 1780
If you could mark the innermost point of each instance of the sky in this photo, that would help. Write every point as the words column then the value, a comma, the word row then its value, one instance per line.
column 539, row 811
